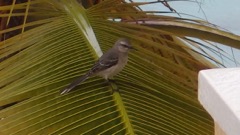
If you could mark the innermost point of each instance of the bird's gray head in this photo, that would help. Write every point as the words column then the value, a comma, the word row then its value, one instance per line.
column 123, row 45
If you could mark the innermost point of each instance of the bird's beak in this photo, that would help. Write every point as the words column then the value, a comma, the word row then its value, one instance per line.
column 132, row 48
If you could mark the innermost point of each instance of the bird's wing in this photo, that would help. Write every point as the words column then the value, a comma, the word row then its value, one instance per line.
column 106, row 61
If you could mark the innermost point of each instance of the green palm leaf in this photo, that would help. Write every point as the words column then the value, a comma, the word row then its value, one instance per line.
column 58, row 41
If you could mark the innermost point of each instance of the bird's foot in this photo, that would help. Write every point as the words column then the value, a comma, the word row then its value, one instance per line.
column 113, row 84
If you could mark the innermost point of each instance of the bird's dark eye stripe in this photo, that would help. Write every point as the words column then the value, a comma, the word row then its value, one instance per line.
column 124, row 45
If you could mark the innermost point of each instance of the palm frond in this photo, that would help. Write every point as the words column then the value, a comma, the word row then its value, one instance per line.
column 58, row 41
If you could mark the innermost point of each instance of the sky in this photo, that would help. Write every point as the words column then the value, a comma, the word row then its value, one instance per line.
column 224, row 13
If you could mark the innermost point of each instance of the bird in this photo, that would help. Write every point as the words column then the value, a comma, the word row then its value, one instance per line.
column 108, row 65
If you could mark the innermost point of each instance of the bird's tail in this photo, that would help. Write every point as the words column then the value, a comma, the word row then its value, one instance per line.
column 75, row 83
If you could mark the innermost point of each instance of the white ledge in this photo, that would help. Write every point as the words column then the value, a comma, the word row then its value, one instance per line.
column 219, row 93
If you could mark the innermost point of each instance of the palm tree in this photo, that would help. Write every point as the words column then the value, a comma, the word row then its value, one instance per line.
column 46, row 44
